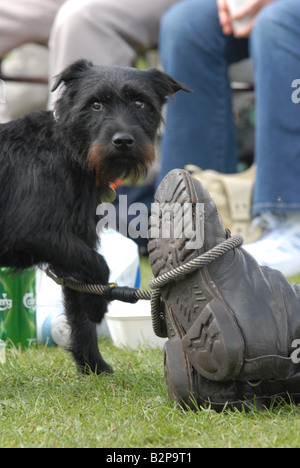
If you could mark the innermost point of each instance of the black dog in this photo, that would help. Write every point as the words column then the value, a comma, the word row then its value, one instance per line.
column 53, row 168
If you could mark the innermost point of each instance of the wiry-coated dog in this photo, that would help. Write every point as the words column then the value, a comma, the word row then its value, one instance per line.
column 53, row 168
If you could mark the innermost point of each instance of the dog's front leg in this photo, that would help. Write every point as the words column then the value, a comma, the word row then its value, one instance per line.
column 78, row 260
column 84, row 341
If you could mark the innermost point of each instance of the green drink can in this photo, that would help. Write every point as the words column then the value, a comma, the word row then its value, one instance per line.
column 18, row 307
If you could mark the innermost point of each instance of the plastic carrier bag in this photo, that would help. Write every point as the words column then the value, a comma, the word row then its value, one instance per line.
column 122, row 256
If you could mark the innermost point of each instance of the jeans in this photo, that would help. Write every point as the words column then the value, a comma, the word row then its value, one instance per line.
column 200, row 127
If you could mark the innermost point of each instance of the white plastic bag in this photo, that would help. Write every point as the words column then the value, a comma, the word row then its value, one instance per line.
column 122, row 257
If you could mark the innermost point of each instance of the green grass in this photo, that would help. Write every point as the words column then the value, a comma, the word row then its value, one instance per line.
column 146, row 272
column 45, row 403
column 295, row 279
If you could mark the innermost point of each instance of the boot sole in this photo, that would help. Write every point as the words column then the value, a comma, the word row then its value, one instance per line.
column 177, row 373
column 195, row 312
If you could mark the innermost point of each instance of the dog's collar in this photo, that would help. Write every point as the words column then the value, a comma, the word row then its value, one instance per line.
column 108, row 192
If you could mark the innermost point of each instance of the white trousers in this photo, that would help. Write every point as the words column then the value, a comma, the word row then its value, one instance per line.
column 24, row 21
column 106, row 32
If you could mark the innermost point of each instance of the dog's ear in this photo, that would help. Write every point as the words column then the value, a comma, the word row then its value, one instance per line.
column 72, row 72
column 165, row 85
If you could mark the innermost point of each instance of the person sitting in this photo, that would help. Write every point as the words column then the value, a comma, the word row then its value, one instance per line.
column 197, row 44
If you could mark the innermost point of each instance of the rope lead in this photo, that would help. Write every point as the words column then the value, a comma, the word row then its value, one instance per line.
column 113, row 292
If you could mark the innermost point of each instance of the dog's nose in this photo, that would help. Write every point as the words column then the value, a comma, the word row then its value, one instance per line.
column 123, row 141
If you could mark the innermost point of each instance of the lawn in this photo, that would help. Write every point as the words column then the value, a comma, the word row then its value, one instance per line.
column 45, row 403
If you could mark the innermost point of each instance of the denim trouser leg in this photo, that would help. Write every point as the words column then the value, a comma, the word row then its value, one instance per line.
column 200, row 126
column 275, row 50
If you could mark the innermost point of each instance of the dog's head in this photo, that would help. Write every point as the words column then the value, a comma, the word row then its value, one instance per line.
column 111, row 116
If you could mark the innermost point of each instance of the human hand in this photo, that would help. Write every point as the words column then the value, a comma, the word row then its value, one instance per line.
column 250, row 9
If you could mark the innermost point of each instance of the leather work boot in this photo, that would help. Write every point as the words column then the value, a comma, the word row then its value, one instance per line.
column 230, row 320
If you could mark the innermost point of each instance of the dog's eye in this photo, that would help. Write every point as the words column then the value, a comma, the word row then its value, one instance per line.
column 138, row 104
column 97, row 106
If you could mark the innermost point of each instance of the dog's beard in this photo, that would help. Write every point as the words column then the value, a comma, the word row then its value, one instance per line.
column 111, row 164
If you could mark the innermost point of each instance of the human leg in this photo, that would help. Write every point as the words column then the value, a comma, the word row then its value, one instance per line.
column 200, row 127
column 105, row 32
column 276, row 55
column 26, row 21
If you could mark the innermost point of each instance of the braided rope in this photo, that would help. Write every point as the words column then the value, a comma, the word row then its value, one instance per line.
column 202, row 260
column 155, row 284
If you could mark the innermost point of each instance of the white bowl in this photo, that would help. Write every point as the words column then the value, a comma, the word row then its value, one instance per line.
column 131, row 325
